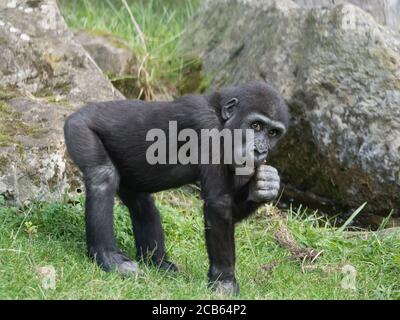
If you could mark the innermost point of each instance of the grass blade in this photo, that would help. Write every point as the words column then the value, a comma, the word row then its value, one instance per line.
column 351, row 218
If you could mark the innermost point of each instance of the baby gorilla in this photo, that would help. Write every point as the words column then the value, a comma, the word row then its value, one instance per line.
column 108, row 141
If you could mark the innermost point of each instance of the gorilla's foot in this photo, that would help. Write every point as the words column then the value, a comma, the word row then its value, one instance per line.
column 116, row 261
column 226, row 287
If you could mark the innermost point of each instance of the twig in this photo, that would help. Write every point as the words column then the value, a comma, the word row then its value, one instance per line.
column 286, row 240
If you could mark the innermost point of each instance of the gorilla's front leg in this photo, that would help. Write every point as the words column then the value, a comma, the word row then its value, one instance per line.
column 219, row 229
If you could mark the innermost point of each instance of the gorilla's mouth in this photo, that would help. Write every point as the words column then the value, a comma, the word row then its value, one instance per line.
column 260, row 157
column 253, row 158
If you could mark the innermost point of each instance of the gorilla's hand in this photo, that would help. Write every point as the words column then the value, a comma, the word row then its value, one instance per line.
column 264, row 185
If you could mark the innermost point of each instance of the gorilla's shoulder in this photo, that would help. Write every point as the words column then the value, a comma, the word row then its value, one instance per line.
column 194, row 101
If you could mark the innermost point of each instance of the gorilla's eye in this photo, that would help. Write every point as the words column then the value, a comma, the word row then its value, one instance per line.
column 273, row 132
column 256, row 126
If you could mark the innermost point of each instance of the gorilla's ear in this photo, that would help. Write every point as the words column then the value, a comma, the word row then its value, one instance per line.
column 228, row 109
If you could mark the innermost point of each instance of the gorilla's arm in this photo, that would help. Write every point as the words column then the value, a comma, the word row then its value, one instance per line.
column 243, row 208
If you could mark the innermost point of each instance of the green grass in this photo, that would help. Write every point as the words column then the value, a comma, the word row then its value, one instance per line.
column 161, row 21
column 44, row 234
column 53, row 234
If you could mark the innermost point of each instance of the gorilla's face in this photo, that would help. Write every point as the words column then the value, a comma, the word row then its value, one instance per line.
column 257, row 107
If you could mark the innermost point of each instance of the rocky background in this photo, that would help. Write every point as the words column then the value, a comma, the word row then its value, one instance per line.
column 385, row 12
column 337, row 64
column 45, row 74
column 339, row 70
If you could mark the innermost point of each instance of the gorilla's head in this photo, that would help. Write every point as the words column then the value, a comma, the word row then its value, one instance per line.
column 259, row 107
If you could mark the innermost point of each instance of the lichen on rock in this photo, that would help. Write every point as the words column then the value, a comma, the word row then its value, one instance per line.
column 44, row 76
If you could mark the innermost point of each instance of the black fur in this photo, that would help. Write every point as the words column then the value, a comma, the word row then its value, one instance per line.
column 107, row 141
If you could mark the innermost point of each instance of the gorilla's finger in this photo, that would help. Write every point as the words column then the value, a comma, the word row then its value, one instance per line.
column 271, row 169
column 267, row 194
column 268, row 176
column 261, row 184
column 267, row 185
column 264, row 168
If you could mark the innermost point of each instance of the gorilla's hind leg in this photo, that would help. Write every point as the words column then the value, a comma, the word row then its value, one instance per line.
column 101, row 181
column 147, row 228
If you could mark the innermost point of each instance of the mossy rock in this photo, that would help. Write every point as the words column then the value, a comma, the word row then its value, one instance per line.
column 192, row 78
column 12, row 125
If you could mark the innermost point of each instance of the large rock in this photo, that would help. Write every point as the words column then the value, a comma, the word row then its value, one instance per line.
column 115, row 58
column 112, row 54
column 338, row 69
column 386, row 12
column 44, row 76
